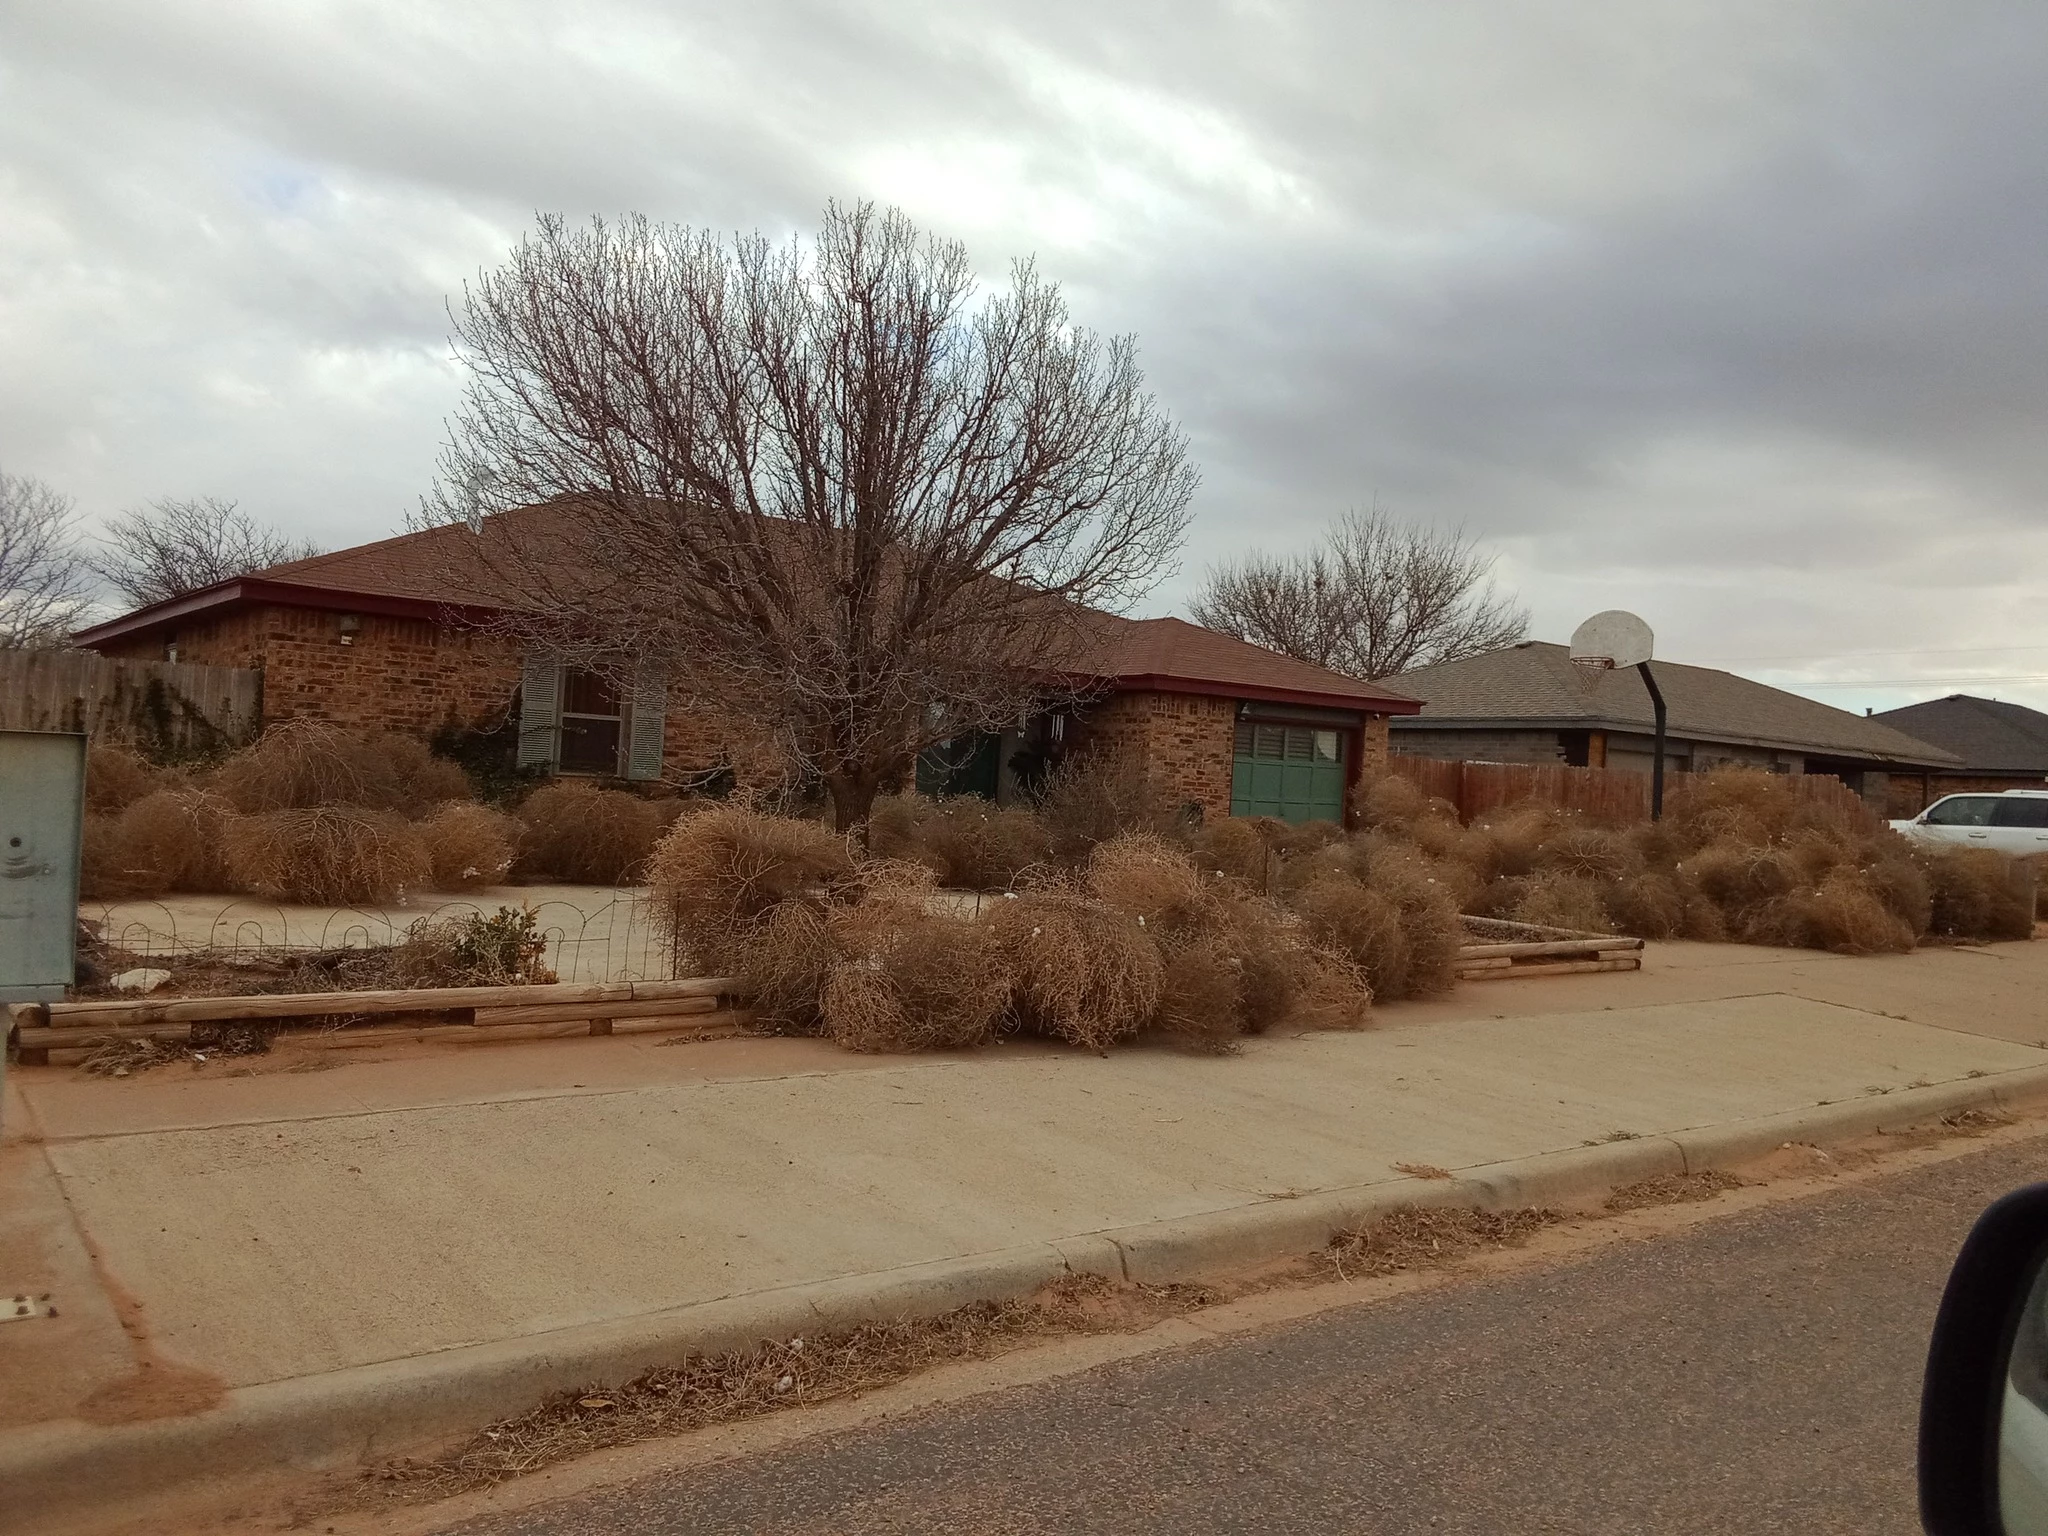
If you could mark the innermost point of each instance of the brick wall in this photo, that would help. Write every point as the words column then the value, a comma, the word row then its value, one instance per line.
column 408, row 675
column 1478, row 746
column 1374, row 749
column 1185, row 741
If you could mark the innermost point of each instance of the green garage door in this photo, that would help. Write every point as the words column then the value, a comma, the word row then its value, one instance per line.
column 1295, row 772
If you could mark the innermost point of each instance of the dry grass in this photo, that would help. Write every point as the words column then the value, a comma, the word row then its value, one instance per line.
column 469, row 845
column 785, row 965
column 115, row 778
column 784, row 1374
column 589, row 836
column 720, row 872
column 308, row 764
column 1672, row 1189
column 1431, row 1239
column 1082, row 971
column 1234, row 847
column 328, row 856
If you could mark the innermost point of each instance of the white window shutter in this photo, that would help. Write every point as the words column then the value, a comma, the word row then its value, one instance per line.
column 646, row 722
column 540, row 712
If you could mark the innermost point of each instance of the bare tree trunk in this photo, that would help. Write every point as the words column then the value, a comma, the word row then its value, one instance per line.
column 853, row 801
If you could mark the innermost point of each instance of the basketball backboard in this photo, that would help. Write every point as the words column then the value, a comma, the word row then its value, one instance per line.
column 1616, row 638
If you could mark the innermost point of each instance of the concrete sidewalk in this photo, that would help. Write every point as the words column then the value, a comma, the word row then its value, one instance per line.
column 209, row 1235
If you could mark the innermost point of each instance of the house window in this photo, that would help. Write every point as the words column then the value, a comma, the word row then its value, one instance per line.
column 592, row 724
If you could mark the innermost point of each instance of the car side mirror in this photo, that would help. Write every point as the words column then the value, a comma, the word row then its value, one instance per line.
column 1984, row 1399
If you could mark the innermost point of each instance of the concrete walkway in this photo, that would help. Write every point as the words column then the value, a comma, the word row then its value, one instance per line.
column 238, row 1230
column 594, row 932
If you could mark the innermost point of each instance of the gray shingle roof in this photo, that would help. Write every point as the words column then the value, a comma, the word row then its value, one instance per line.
column 1536, row 684
column 1989, row 735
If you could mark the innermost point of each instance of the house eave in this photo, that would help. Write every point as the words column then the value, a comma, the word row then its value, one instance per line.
column 251, row 591
column 1677, row 729
column 1166, row 683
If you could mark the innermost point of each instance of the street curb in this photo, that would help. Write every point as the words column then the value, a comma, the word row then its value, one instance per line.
column 67, row 1470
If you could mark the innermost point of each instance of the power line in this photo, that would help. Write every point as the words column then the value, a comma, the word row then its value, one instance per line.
column 1959, row 650
column 1921, row 682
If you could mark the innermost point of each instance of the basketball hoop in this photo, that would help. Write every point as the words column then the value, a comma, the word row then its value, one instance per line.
column 1614, row 639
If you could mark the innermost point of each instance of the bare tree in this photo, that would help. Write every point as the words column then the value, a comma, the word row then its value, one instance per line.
column 1379, row 597
column 825, row 484
column 44, row 584
column 180, row 544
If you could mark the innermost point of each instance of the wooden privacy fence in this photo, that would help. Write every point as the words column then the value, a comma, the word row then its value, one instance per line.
column 478, row 1015
column 1615, row 796
column 161, row 707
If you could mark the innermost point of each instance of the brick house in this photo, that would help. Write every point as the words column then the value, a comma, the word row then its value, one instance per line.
column 376, row 636
column 1998, row 746
column 1528, row 703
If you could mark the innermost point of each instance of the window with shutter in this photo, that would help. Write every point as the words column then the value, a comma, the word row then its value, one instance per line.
column 645, row 728
column 540, row 712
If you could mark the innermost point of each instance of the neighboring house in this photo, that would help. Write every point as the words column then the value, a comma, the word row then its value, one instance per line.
column 382, row 636
column 2000, row 746
column 1530, row 703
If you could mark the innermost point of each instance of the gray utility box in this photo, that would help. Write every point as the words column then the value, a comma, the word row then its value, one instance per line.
column 42, row 804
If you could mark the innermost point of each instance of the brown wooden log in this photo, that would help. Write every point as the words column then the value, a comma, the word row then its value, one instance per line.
column 548, row 1013
column 1484, row 963
column 1546, row 947
column 727, row 1018
column 474, row 1034
column 690, row 986
column 285, row 1005
column 1556, row 968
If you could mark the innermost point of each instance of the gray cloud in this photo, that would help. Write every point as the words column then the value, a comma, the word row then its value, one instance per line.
column 1733, row 314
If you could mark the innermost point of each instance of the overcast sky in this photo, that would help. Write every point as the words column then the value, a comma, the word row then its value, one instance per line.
column 1732, row 312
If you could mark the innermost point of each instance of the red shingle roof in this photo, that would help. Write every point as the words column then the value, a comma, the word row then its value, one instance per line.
column 438, row 570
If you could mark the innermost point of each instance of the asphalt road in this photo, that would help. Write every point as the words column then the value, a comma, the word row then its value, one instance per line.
column 1757, row 1373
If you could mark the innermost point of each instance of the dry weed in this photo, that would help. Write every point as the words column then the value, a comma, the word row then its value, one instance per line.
column 590, row 836
column 784, row 965
column 115, row 778
column 304, row 764
column 1363, row 926
column 976, row 846
column 912, row 980
column 719, row 872
column 169, row 840
column 1202, row 997
column 469, row 845
column 329, row 856
column 783, row 1374
column 1232, row 846
column 1087, row 800
column 1978, row 894
column 1554, row 899
column 1431, row 1239
column 1082, row 972
column 1847, row 916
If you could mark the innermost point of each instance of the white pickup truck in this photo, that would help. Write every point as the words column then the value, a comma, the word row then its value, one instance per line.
column 2014, row 822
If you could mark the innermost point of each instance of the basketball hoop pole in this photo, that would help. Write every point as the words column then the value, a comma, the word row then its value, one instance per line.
column 1657, row 763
